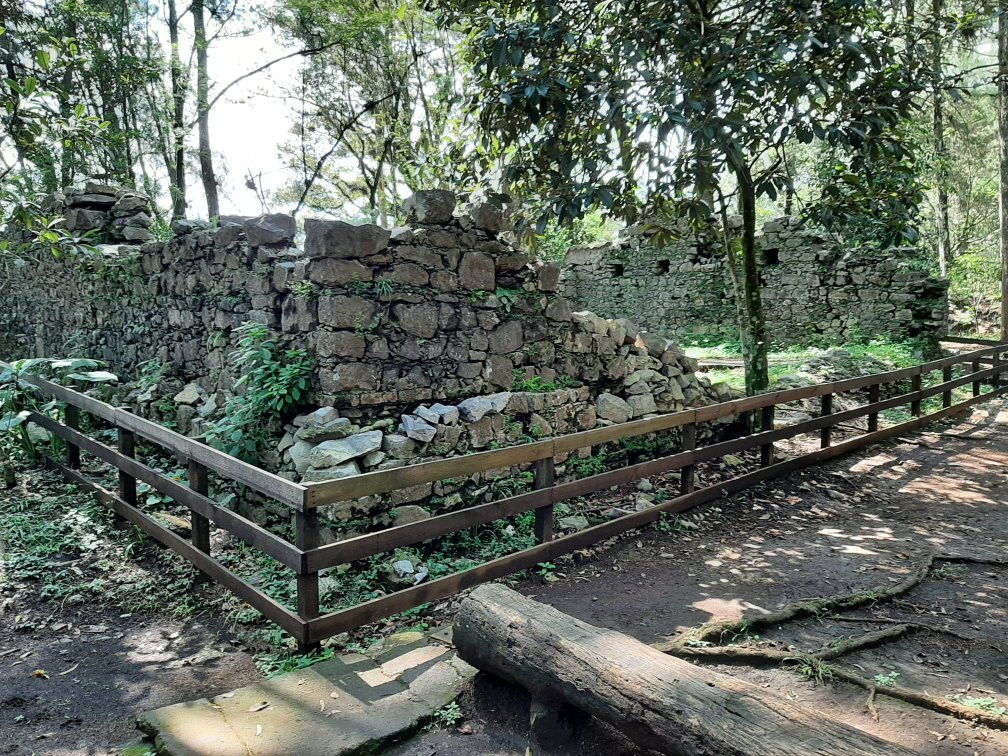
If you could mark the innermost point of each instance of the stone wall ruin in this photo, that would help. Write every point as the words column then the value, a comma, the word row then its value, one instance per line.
column 431, row 340
column 814, row 290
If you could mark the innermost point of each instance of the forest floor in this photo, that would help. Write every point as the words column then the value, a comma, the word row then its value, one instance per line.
column 75, row 669
column 861, row 522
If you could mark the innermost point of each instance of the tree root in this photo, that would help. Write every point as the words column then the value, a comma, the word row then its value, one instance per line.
column 814, row 666
column 696, row 644
column 717, row 630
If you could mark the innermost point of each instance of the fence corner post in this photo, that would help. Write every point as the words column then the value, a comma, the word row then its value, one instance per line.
column 306, row 535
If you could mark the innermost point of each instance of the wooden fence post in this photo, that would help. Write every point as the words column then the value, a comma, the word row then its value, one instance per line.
column 827, row 409
column 127, row 483
column 996, row 375
column 915, row 404
column 687, row 475
column 306, row 536
column 767, row 424
column 199, row 483
column 975, row 366
column 947, row 394
column 71, row 418
column 545, row 477
column 874, row 393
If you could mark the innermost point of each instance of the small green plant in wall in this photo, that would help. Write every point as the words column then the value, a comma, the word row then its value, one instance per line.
column 275, row 380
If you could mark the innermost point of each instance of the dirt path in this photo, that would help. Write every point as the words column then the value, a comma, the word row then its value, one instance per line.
column 859, row 522
column 99, row 673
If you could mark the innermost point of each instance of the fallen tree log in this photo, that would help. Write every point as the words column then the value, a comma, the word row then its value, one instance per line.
column 661, row 703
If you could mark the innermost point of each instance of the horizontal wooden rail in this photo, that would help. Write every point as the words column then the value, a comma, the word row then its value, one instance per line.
column 306, row 557
column 388, row 539
column 346, row 619
column 266, row 483
column 270, row 608
column 246, row 530
column 384, row 481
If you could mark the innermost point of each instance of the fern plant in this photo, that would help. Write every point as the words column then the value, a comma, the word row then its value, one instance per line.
column 275, row 380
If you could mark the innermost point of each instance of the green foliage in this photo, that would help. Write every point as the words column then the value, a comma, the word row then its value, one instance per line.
column 886, row 680
column 18, row 398
column 306, row 289
column 583, row 467
column 536, row 384
column 986, row 704
column 448, row 715
column 871, row 197
column 812, row 669
column 275, row 380
column 556, row 239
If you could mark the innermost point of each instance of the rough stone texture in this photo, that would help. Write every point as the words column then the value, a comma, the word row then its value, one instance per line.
column 272, row 228
column 431, row 314
column 410, row 332
column 430, row 206
column 813, row 287
column 366, row 703
column 332, row 453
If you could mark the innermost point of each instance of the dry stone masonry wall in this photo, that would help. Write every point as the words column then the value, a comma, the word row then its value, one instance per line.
column 814, row 290
column 430, row 340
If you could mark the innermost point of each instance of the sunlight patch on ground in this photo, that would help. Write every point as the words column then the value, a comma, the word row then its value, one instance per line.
column 725, row 608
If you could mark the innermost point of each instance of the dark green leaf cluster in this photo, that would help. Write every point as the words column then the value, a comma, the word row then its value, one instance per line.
column 275, row 380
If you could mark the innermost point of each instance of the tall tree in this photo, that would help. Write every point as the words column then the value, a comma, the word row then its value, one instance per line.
column 379, row 103
column 1002, row 122
column 644, row 107
column 203, row 109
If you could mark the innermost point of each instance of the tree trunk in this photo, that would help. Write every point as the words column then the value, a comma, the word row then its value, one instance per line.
column 941, row 160
column 176, row 174
column 754, row 332
column 658, row 701
column 203, row 112
column 1002, row 118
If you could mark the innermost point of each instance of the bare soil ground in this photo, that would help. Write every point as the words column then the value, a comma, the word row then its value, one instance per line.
column 859, row 522
column 862, row 521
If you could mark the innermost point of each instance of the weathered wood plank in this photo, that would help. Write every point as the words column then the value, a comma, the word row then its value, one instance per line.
column 264, row 482
column 661, row 703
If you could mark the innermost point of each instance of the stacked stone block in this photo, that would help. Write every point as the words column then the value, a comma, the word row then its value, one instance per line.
column 814, row 290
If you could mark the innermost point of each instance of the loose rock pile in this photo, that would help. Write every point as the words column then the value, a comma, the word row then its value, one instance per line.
column 110, row 213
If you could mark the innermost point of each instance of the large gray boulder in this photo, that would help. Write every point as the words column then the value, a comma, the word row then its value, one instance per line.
column 333, row 453
column 430, row 206
column 610, row 407
column 325, row 238
column 417, row 428
column 272, row 228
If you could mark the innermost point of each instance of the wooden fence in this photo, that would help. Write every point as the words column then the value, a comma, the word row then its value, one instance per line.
column 307, row 556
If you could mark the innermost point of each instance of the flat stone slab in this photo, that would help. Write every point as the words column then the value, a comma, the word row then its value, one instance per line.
column 349, row 704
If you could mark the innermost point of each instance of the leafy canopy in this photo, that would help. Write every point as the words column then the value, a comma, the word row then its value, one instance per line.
column 633, row 105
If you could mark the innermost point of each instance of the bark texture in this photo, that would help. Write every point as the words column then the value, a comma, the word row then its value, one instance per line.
column 661, row 703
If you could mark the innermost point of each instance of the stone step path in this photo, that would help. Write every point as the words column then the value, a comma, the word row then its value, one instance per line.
column 349, row 704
